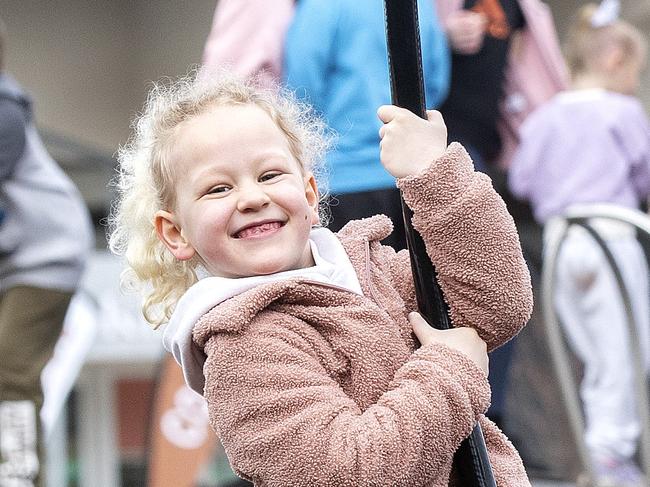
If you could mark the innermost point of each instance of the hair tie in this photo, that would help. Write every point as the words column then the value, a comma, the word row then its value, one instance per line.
column 606, row 14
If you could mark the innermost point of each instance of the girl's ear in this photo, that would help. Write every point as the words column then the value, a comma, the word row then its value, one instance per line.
column 311, row 193
column 170, row 234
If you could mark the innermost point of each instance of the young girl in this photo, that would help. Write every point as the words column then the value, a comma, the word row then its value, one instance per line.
column 591, row 144
column 299, row 339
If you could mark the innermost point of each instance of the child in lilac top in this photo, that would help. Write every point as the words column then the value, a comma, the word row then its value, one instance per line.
column 591, row 144
column 584, row 146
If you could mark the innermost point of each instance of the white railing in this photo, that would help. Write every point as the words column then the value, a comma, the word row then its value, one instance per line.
column 581, row 215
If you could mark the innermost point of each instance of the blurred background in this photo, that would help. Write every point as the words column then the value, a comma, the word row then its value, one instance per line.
column 88, row 65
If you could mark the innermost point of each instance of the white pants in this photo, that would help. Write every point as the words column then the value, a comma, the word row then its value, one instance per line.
column 591, row 311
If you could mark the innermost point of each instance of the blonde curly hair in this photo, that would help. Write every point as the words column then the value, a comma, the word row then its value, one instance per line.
column 145, row 182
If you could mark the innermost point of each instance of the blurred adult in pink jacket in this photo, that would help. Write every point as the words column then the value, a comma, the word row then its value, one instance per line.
column 248, row 37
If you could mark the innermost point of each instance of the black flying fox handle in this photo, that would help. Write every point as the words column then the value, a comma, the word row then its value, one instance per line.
column 471, row 461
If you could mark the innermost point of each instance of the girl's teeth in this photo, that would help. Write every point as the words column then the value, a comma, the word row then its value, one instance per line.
column 258, row 229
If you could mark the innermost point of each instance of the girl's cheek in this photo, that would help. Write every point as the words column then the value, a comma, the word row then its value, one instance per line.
column 213, row 222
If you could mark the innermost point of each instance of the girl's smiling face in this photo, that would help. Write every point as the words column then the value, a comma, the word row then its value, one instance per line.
column 243, row 204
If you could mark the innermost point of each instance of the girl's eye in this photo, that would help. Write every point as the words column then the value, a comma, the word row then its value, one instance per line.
column 218, row 189
column 269, row 175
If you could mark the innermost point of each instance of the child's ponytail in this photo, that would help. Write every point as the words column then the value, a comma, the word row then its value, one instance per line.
column 578, row 47
column 596, row 29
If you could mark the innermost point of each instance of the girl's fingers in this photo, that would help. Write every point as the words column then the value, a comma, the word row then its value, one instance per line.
column 434, row 116
column 386, row 113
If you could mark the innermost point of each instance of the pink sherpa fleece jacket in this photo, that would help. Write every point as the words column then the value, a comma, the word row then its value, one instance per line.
column 312, row 385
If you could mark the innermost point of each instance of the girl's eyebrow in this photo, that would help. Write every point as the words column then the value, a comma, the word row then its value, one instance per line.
column 207, row 171
column 270, row 154
column 222, row 168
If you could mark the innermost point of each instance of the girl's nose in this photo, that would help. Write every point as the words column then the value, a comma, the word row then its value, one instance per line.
column 252, row 198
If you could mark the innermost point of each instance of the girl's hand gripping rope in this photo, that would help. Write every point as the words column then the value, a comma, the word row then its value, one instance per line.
column 464, row 340
column 409, row 144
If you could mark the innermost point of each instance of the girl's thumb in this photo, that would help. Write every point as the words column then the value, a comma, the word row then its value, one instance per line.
column 418, row 323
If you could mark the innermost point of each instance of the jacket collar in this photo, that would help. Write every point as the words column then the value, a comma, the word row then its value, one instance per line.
column 240, row 309
column 197, row 315
column 234, row 313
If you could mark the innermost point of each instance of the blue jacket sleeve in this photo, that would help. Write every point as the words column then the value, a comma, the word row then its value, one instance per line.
column 436, row 58
column 308, row 48
column 12, row 136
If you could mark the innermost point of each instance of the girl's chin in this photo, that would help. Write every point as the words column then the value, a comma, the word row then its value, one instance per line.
column 268, row 268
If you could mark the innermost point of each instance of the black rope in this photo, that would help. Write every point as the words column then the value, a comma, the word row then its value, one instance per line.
column 471, row 461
